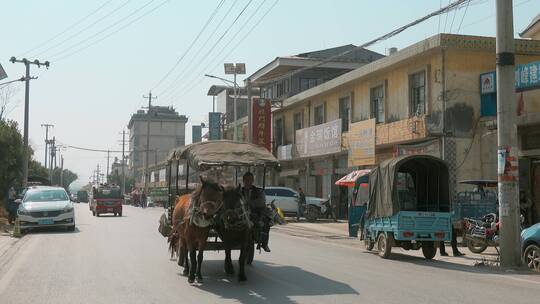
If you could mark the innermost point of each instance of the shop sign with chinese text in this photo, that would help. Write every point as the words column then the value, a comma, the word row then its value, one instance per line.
column 261, row 119
column 362, row 143
column 319, row 140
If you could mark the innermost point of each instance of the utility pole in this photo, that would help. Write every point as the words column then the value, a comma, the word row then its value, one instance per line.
column 27, row 78
column 507, row 137
column 62, row 171
column 146, row 175
column 108, row 158
column 123, row 161
column 52, row 151
column 47, row 126
column 235, row 131
column 97, row 173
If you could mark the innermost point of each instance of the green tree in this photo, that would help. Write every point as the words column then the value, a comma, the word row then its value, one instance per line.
column 117, row 179
column 35, row 168
column 11, row 151
column 67, row 178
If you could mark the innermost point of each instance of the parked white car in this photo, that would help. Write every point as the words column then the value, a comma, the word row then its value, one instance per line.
column 287, row 199
column 46, row 207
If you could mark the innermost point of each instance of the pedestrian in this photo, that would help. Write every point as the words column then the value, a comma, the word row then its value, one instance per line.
column 301, row 201
column 11, row 205
column 453, row 243
column 143, row 199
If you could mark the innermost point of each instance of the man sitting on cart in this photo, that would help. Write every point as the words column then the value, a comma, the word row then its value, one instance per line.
column 256, row 200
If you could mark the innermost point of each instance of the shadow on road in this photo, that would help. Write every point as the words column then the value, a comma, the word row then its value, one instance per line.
column 487, row 268
column 52, row 230
column 269, row 283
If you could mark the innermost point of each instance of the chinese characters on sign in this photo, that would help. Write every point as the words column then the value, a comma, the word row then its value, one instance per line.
column 319, row 140
column 261, row 118
column 432, row 147
column 362, row 143
column 527, row 76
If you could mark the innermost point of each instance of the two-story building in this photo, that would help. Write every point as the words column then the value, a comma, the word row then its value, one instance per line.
column 424, row 98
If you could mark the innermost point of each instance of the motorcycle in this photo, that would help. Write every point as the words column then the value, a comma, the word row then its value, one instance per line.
column 479, row 234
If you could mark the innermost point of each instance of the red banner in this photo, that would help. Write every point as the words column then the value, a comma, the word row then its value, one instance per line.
column 261, row 122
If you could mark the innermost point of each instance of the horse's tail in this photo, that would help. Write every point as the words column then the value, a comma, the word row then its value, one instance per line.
column 173, row 240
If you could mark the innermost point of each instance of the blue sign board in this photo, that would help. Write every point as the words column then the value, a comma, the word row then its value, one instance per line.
column 214, row 126
column 527, row 76
column 196, row 133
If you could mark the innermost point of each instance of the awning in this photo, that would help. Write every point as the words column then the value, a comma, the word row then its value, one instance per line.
column 349, row 179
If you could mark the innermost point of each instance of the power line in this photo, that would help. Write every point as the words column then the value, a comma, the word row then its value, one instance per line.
column 462, row 18
column 493, row 15
column 454, row 18
column 85, row 28
column 223, row 34
column 114, row 32
column 104, row 29
column 172, row 84
column 191, row 45
column 68, row 28
column 222, row 49
column 245, row 36
column 378, row 39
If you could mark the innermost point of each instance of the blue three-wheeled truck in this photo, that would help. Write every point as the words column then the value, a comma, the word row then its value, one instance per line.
column 408, row 205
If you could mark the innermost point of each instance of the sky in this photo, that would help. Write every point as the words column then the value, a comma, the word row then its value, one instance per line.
column 106, row 54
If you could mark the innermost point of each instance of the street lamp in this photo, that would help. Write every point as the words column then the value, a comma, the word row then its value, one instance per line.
column 235, row 96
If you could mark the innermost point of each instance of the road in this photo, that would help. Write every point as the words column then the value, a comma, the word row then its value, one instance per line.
column 125, row 260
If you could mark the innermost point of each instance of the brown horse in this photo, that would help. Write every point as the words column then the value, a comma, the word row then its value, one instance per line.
column 191, row 221
column 235, row 229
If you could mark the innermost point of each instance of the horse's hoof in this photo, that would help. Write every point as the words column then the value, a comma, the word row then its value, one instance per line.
column 242, row 278
column 191, row 280
column 199, row 279
column 185, row 273
column 229, row 271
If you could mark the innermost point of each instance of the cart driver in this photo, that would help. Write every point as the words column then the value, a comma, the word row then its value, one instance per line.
column 256, row 200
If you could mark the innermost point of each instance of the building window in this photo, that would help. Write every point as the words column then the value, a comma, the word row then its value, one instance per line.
column 278, row 140
column 318, row 115
column 417, row 91
column 377, row 103
column 307, row 83
column 286, row 86
column 279, row 89
column 345, row 112
column 298, row 122
column 270, row 92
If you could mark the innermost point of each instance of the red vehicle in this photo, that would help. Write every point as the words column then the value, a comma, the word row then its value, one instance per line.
column 106, row 199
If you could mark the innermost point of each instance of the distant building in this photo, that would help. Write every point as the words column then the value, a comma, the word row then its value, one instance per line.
column 116, row 167
column 167, row 131
column 224, row 100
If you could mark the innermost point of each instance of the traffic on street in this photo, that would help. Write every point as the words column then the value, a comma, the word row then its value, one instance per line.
column 267, row 151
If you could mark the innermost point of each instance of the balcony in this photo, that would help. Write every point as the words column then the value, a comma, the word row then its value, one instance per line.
column 401, row 131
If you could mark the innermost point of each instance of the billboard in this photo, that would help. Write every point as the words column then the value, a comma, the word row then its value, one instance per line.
column 196, row 134
column 214, row 125
column 362, row 143
column 319, row 140
column 261, row 122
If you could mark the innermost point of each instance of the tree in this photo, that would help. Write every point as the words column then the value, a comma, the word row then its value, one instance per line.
column 67, row 177
column 35, row 168
column 117, row 179
column 6, row 94
column 11, row 156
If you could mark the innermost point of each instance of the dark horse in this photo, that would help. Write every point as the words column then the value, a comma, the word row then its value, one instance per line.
column 235, row 230
column 191, row 222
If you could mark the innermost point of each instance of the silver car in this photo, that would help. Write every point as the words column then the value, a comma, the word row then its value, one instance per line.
column 46, row 207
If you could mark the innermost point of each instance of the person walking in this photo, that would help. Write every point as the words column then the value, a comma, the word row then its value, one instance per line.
column 301, row 201
column 453, row 243
column 11, row 206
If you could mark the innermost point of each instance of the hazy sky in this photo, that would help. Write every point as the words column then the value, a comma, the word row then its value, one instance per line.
column 90, row 92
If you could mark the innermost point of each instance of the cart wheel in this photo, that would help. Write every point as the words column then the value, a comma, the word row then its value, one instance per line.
column 476, row 247
column 250, row 254
column 428, row 249
column 369, row 244
column 384, row 246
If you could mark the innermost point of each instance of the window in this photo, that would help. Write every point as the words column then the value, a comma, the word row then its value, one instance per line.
column 345, row 112
column 377, row 103
column 284, row 193
column 318, row 115
column 279, row 133
column 417, row 91
column 270, row 192
column 286, row 86
column 279, row 89
column 298, row 122
column 307, row 83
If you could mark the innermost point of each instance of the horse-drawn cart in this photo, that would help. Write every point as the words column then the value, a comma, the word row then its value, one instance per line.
column 221, row 160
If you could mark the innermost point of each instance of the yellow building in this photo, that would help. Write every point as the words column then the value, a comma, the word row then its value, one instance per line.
column 425, row 98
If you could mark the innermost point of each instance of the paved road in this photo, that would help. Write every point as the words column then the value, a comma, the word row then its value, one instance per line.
column 125, row 260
